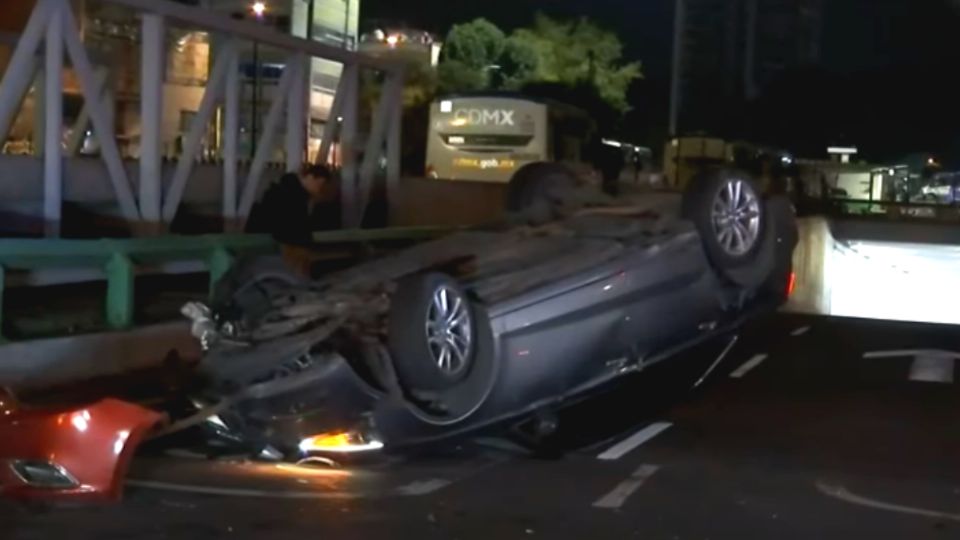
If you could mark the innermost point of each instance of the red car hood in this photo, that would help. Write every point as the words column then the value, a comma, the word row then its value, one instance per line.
column 90, row 448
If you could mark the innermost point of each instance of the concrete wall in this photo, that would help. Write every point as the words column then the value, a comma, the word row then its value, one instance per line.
column 32, row 365
column 812, row 291
column 877, row 270
column 425, row 201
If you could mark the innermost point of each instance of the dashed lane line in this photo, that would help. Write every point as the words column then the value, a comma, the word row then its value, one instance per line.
column 935, row 369
column 625, row 446
column 422, row 487
column 615, row 499
column 748, row 366
column 929, row 365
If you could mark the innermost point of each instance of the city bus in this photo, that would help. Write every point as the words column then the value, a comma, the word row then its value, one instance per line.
column 487, row 138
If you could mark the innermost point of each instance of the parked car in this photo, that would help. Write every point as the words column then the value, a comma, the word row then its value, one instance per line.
column 493, row 325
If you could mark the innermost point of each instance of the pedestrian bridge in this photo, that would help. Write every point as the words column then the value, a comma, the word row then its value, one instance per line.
column 149, row 193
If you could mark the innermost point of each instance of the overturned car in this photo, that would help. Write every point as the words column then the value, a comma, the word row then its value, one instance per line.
column 490, row 325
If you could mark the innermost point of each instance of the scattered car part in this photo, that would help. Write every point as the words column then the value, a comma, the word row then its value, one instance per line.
column 80, row 453
column 716, row 362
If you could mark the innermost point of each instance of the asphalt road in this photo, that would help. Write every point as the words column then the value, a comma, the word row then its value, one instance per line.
column 796, row 435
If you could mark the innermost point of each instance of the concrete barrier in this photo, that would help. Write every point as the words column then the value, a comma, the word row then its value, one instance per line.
column 430, row 202
column 32, row 365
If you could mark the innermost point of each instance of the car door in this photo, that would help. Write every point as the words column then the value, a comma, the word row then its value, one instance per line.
column 671, row 295
column 563, row 334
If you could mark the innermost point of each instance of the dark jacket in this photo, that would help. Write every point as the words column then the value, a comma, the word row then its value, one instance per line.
column 285, row 213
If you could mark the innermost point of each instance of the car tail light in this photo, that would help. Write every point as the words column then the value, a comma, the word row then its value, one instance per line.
column 791, row 284
column 43, row 474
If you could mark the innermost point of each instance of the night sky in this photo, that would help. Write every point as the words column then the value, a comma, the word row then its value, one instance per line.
column 913, row 45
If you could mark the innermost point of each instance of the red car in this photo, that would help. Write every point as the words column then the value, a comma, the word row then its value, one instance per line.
column 74, row 453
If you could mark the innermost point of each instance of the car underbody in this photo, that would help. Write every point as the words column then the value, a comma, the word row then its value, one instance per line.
column 313, row 357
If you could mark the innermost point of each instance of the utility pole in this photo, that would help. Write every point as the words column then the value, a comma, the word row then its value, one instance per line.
column 679, row 25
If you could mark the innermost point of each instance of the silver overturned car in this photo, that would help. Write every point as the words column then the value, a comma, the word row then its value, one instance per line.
column 489, row 326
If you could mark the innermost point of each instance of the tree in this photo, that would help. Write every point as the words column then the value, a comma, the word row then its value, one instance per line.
column 518, row 64
column 577, row 52
column 470, row 53
column 454, row 76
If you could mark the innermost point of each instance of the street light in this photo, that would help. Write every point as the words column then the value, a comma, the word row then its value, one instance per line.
column 259, row 8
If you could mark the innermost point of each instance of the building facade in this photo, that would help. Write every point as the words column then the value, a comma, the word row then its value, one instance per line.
column 729, row 50
column 111, row 35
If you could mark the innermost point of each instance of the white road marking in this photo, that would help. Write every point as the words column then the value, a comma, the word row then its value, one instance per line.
column 618, row 496
column 625, row 446
column 935, row 369
column 912, row 352
column 422, row 487
column 748, row 366
column 841, row 493
column 929, row 365
column 800, row 331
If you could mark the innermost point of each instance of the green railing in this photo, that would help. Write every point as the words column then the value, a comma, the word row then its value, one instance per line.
column 119, row 259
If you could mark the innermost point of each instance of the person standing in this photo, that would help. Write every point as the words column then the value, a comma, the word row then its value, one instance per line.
column 295, row 207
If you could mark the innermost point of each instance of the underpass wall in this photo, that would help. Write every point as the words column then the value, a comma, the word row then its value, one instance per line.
column 878, row 269
column 810, row 259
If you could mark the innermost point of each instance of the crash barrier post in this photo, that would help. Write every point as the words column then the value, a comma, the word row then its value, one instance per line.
column 120, row 259
column 219, row 263
column 120, row 279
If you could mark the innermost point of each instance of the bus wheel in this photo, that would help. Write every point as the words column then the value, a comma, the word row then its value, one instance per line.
column 538, row 190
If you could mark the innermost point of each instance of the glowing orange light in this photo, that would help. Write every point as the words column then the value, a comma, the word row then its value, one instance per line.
column 791, row 284
column 393, row 40
column 334, row 440
column 340, row 442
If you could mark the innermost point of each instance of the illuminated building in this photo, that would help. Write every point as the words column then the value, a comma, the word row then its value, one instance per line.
column 403, row 45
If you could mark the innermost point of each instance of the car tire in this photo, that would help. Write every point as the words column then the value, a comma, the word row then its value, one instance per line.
column 432, row 333
column 730, row 215
column 537, row 189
